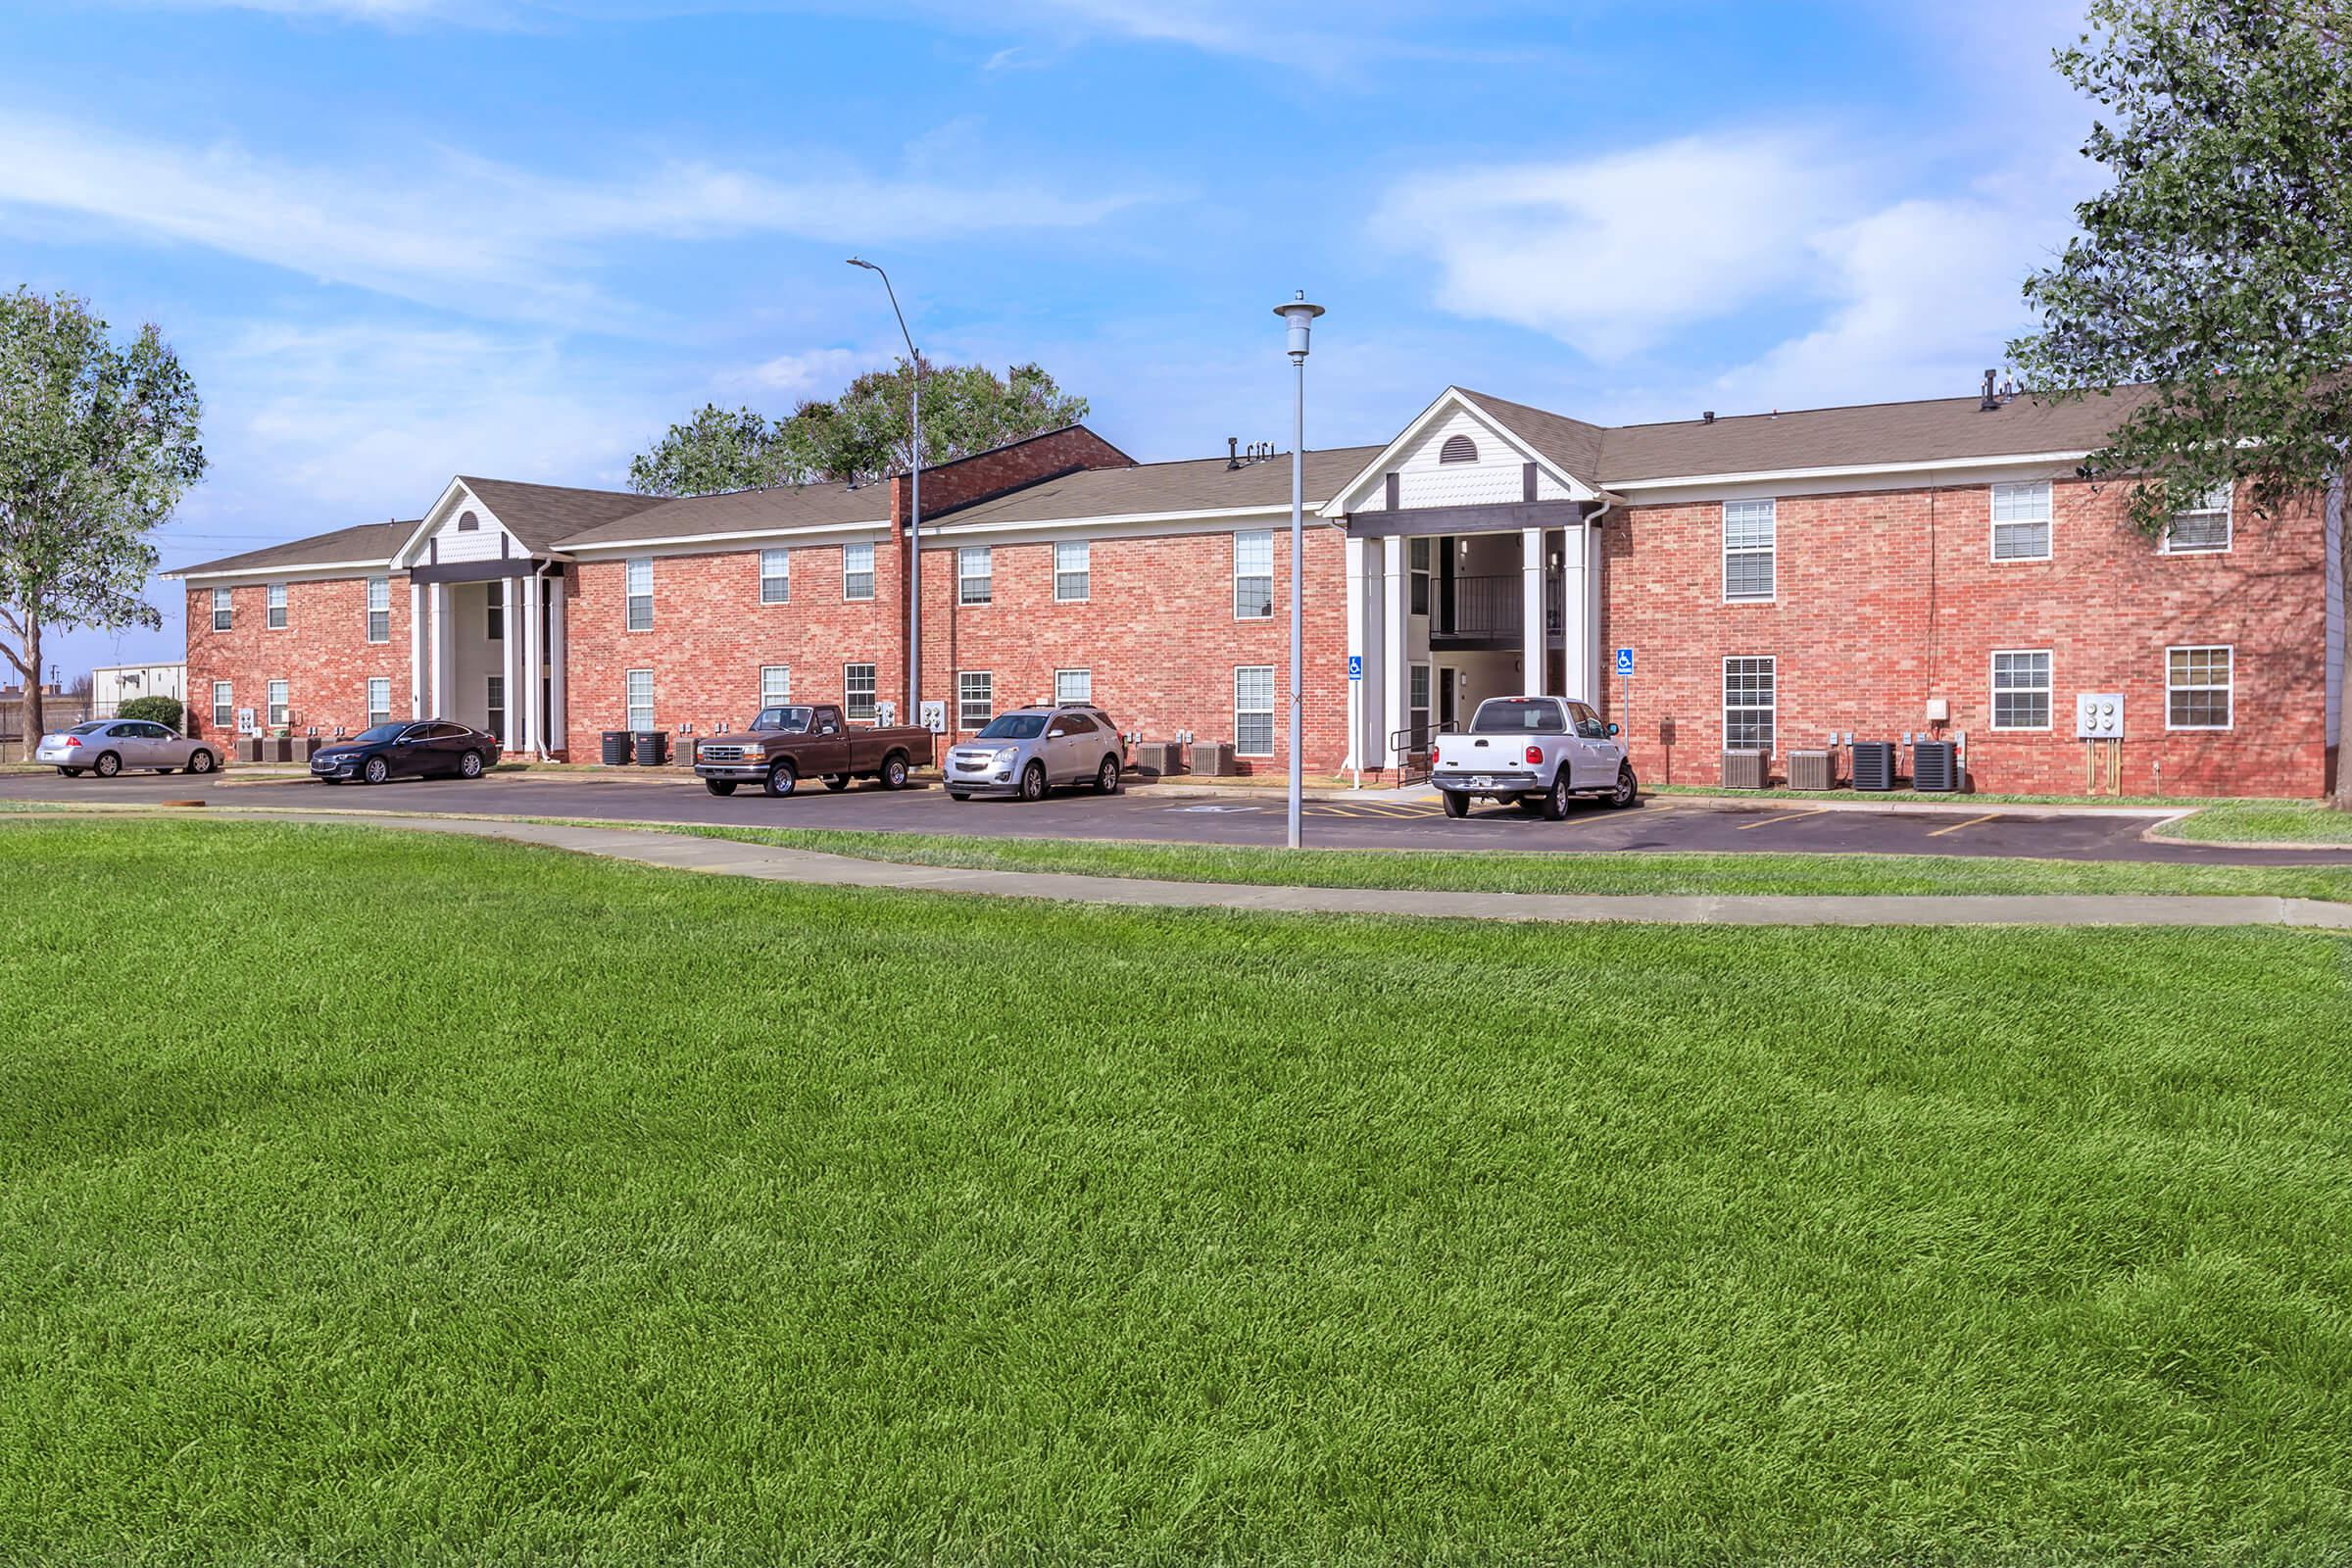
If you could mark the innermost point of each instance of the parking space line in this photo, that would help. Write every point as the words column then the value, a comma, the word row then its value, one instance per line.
column 1792, row 816
column 1989, row 817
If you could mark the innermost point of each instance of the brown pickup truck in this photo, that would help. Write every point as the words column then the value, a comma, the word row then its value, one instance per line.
column 794, row 741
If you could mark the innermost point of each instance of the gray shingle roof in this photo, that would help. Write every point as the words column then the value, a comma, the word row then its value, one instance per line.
column 540, row 514
column 1571, row 443
column 1192, row 484
column 735, row 512
column 370, row 542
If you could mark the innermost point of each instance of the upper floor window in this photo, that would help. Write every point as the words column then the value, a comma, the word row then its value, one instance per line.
column 775, row 576
column 2202, row 527
column 278, row 607
column 1253, row 575
column 1419, row 554
column 379, row 609
column 1458, row 449
column 976, row 575
column 1073, row 571
column 857, row 571
column 2021, row 521
column 224, row 610
column 640, row 585
column 1750, row 540
column 494, row 623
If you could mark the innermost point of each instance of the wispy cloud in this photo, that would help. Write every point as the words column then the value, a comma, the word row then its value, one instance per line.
column 451, row 228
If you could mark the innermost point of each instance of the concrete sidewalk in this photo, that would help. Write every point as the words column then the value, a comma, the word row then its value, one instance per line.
column 771, row 864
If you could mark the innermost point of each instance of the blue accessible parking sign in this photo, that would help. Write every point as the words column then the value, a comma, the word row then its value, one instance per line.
column 1625, row 660
column 1356, row 666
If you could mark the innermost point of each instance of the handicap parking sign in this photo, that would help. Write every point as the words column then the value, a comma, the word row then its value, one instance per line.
column 1625, row 660
column 1356, row 666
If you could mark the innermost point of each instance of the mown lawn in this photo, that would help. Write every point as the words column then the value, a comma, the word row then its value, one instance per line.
column 1584, row 871
column 370, row 1198
column 2266, row 822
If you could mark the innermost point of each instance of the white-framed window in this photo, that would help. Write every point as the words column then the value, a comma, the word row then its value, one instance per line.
column 640, row 690
column 1419, row 556
column 380, row 700
column 2199, row 687
column 225, row 705
column 640, row 585
column 975, row 699
column 379, row 609
column 775, row 684
column 1750, row 543
column 1073, row 571
column 2021, row 688
column 775, row 576
column 976, row 575
column 494, row 701
column 1750, row 696
column 2021, row 521
column 857, row 571
column 224, row 609
column 1416, row 702
column 1253, row 710
column 280, row 703
column 857, row 691
column 1253, row 575
column 278, row 607
column 494, row 620
column 2201, row 529
column 1073, row 685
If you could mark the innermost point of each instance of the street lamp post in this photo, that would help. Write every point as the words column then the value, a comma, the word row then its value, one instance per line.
column 1300, row 318
column 914, row 512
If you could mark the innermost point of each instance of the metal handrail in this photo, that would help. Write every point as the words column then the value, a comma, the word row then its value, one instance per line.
column 1490, row 605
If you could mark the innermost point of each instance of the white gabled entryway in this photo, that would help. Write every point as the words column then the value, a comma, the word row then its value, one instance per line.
column 461, row 563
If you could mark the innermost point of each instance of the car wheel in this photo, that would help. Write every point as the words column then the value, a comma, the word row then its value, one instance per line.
column 1106, row 777
column 200, row 761
column 1627, row 790
column 1456, row 806
column 109, row 764
column 1555, row 803
column 376, row 771
column 959, row 794
column 470, row 766
column 782, row 780
column 894, row 772
column 719, row 786
column 837, row 781
column 1033, row 782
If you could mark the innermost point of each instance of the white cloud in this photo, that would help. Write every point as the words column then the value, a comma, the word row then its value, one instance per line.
column 1610, row 254
column 809, row 371
column 451, row 228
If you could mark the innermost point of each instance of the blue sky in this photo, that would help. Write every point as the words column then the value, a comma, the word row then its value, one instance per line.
column 402, row 240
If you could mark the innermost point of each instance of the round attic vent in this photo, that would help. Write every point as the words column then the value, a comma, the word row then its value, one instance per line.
column 1458, row 449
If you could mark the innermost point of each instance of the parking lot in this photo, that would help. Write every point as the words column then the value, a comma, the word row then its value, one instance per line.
column 1178, row 814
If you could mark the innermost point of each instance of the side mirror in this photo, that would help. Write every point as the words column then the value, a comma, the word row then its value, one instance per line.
column 1612, row 729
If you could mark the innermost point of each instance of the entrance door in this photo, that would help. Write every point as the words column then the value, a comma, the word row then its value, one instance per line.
column 1449, row 699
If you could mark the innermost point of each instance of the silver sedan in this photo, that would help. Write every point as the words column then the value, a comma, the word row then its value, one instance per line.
column 110, row 746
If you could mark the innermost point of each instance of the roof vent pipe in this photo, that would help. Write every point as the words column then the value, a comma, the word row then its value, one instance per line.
column 1707, row 417
column 1233, row 452
column 1989, row 402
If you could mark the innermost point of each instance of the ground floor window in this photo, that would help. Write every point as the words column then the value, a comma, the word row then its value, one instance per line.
column 494, row 698
column 641, row 699
column 1073, row 685
column 775, row 684
column 1416, row 704
column 1253, row 710
column 1749, row 692
column 380, row 701
column 2021, row 689
column 225, row 706
column 2198, row 684
column 975, row 699
column 279, row 705
column 857, row 691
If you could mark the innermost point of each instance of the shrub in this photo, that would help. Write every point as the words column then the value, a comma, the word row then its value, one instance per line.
column 164, row 711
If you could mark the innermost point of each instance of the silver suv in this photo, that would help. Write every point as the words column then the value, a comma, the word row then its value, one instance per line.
column 1027, row 750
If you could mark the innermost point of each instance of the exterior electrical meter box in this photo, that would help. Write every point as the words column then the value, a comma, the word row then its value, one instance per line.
column 2099, row 715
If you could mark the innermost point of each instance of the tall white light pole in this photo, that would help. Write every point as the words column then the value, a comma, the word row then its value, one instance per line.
column 914, row 512
column 1300, row 317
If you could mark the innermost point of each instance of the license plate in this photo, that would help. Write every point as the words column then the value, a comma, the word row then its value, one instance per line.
column 1483, row 781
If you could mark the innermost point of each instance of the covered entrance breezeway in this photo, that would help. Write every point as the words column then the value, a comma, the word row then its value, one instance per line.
column 486, row 626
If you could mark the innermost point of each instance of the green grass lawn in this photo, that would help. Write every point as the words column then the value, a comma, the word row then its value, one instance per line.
column 2266, row 822
column 1508, row 871
column 388, row 1199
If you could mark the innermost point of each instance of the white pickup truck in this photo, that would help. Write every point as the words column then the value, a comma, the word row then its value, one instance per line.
column 1532, row 753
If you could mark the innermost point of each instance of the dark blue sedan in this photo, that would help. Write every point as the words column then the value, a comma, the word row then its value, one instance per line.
column 426, row 748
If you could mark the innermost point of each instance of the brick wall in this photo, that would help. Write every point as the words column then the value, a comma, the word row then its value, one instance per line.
column 1008, row 467
column 323, row 655
column 711, row 635
column 1156, row 630
column 1884, row 600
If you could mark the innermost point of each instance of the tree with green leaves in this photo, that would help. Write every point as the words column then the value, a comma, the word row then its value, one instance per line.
column 98, row 443
column 860, row 436
column 2216, row 270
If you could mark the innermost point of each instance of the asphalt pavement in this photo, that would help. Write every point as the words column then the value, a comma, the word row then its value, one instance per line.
column 1170, row 813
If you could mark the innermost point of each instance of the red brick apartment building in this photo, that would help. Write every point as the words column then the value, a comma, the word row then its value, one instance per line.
column 1783, row 580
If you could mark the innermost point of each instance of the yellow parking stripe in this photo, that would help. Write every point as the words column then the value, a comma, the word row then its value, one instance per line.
column 1792, row 816
column 1989, row 817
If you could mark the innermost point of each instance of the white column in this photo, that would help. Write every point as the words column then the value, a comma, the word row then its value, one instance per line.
column 534, row 719
column 558, row 710
column 1533, row 642
column 1580, row 614
column 1395, row 627
column 417, row 674
column 1357, row 551
column 444, row 649
column 509, row 657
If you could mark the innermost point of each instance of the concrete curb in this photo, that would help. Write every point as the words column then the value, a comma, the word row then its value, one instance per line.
column 773, row 863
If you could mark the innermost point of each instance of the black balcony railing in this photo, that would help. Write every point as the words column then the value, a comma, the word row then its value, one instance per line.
column 1487, row 607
